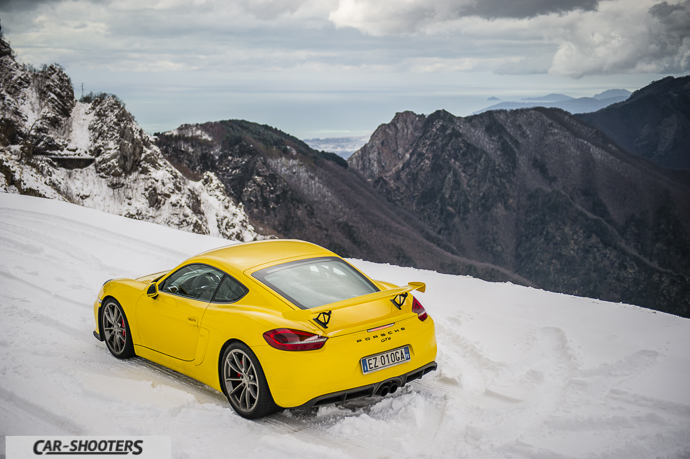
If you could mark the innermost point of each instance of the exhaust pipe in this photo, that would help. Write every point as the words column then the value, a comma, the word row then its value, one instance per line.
column 388, row 387
column 384, row 390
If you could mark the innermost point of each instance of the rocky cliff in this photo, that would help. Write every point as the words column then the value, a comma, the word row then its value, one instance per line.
column 388, row 146
column 96, row 155
column 545, row 196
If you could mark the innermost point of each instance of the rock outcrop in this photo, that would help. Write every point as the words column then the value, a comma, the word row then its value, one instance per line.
column 388, row 145
column 93, row 153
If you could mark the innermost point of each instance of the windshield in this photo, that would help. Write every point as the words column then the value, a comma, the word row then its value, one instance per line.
column 315, row 282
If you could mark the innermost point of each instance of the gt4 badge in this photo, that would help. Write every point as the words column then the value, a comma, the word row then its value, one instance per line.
column 323, row 318
column 399, row 300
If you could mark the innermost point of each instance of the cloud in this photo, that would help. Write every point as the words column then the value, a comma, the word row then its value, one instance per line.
column 669, row 32
column 440, row 65
column 390, row 17
column 521, row 9
column 627, row 36
column 526, row 66
column 571, row 38
column 270, row 9
column 15, row 6
column 20, row 5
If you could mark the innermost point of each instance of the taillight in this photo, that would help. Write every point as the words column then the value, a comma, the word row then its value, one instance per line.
column 418, row 309
column 287, row 339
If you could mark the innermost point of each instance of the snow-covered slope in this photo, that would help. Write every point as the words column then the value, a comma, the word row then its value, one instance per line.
column 522, row 373
column 95, row 154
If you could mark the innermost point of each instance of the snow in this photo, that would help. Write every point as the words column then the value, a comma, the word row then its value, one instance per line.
column 191, row 131
column 29, row 106
column 79, row 140
column 522, row 373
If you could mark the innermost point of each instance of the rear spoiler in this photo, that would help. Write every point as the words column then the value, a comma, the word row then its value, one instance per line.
column 312, row 314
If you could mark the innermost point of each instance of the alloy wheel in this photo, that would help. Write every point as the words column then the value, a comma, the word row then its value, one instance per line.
column 241, row 380
column 114, row 328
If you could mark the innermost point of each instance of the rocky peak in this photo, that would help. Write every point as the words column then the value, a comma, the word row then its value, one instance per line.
column 118, row 142
column 388, row 145
column 54, row 91
column 5, row 48
column 36, row 106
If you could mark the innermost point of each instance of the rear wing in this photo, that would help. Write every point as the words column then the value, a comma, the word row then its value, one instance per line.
column 392, row 294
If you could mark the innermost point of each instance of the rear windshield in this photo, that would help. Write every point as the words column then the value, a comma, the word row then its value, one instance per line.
column 315, row 282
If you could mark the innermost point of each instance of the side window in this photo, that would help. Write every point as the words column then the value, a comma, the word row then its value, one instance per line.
column 229, row 291
column 195, row 281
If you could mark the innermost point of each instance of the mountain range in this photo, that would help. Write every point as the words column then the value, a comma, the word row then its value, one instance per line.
column 543, row 195
column 567, row 103
column 533, row 196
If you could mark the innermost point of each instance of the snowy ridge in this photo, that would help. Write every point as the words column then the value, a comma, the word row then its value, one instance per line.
column 188, row 130
column 96, row 155
column 522, row 373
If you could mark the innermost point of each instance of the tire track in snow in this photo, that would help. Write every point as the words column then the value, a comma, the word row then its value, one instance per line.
column 61, row 250
column 653, row 404
column 309, row 431
column 23, row 417
column 344, row 425
column 501, row 414
column 449, row 388
column 83, row 229
column 32, row 291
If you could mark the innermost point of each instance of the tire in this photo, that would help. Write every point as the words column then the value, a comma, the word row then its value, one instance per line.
column 115, row 328
column 244, row 383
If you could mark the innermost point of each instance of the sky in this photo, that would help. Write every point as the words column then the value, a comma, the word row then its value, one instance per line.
column 336, row 68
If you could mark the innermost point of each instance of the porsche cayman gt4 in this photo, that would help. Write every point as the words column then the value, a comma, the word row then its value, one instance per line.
column 272, row 324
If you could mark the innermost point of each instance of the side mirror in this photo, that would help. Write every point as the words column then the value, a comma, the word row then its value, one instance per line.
column 152, row 292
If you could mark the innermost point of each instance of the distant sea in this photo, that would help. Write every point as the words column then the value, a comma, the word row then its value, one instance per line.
column 343, row 146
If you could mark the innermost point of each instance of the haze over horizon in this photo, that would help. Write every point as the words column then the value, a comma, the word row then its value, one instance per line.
column 340, row 68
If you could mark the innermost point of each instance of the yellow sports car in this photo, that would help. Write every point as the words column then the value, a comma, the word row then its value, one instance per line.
column 272, row 324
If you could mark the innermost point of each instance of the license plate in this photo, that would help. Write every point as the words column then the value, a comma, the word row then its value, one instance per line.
column 385, row 359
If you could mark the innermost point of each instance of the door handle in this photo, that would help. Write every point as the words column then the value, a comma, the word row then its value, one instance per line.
column 193, row 321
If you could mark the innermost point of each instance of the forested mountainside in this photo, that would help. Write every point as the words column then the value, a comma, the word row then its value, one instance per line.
column 93, row 153
column 543, row 195
column 654, row 122
column 292, row 191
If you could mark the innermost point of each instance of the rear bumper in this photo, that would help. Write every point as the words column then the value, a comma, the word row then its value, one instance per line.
column 381, row 388
column 299, row 378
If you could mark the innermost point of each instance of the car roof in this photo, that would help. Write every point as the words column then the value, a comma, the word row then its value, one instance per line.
column 249, row 255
